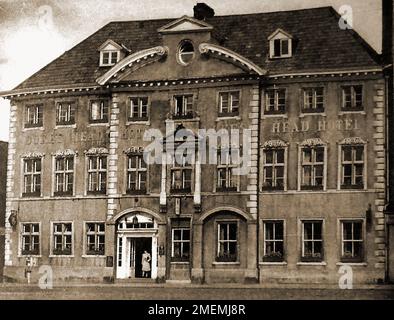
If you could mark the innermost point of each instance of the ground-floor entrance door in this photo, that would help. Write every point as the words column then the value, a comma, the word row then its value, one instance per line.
column 130, row 250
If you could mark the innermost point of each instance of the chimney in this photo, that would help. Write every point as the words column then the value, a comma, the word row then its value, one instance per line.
column 203, row 11
column 387, row 41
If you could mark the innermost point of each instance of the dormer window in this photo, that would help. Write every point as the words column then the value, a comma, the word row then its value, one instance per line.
column 280, row 44
column 109, row 58
column 110, row 53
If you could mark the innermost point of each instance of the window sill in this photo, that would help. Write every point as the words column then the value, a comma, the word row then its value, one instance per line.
column 197, row 119
column 217, row 263
column 98, row 124
column 92, row 256
column 61, row 256
column 312, row 188
column 223, row 118
column 96, row 193
column 33, row 128
column 277, row 115
column 304, row 114
column 361, row 264
column 180, row 262
column 65, row 126
column 141, row 122
column 29, row 255
column 266, row 263
column 273, row 189
column 31, row 196
column 311, row 263
column 344, row 112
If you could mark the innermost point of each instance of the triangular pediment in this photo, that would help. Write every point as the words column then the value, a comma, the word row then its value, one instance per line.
column 185, row 24
column 110, row 45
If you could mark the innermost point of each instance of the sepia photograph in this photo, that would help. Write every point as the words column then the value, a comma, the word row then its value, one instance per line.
column 214, row 151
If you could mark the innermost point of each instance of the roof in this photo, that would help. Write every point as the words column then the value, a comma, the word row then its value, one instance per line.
column 320, row 45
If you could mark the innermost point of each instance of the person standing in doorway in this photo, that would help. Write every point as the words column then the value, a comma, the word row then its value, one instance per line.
column 146, row 264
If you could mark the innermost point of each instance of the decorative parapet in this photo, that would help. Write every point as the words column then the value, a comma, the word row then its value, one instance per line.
column 271, row 144
column 353, row 141
column 95, row 151
column 65, row 153
column 131, row 60
column 207, row 48
column 33, row 155
column 312, row 142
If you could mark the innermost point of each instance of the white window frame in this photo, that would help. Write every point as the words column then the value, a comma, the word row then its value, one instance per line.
column 97, row 171
column 111, row 61
column 302, row 235
column 301, row 165
column 353, row 107
column 38, row 116
column 96, row 234
column 180, row 54
column 276, row 110
column 21, row 234
column 274, row 165
column 139, row 169
column 181, row 241
column 227, row 221
column 131, row 117
column 64, row 172
column 187, row 106
column 265, row 240
column 69, row 107
column 230, row 103
column 52, row 242
column 34, row 194
column 104, row 117
column 279, row 35
column 313, row 109
column 363, row 240
column 340, row 166
column 183, row 167
column 229, row 167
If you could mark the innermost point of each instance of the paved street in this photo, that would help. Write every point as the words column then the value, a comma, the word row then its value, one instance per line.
column 171, row 292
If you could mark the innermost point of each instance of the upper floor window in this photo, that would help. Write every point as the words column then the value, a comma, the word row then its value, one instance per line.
column 312, row 241
column 65, row 113
column 138, row 109
column 186, row 52
column 275, row 101
column 183, row 107
column 110, row 53
column 136, row 173
column 30, row 239
column 181, row 174
column 312, row 167
column 352, row 241
column 98, row 111
column 352, row 166
column 95, row 238
column 32, row 177
column 228, row 104
column 281, row 44
column 274, row 169
column 313, row 100
column 97, row 174
column 34, row 116
column 227, row 250
column 352, row 98
column 64, row 175
column 227, row 162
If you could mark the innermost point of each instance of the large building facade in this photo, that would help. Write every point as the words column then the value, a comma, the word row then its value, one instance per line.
column 311, row 96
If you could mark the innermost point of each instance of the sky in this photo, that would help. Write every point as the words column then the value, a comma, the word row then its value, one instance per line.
column 35, row 32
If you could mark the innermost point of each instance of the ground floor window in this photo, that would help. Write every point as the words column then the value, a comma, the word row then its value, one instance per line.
column 180, row 244
column 227, row 250
column 273, row 241
column 30, row 239
column 62, row 238
column 312, row 241
column 352, row 241
column 95, row 238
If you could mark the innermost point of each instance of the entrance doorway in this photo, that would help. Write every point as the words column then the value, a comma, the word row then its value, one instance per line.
column 137, row 246
column 136, row 233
